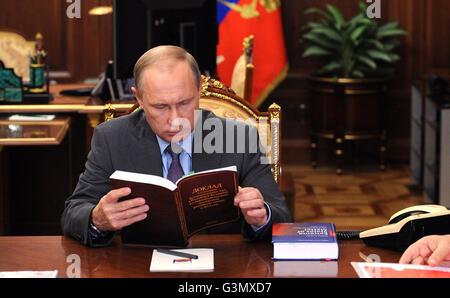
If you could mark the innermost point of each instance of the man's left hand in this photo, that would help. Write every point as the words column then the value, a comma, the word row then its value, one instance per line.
column 251, row 202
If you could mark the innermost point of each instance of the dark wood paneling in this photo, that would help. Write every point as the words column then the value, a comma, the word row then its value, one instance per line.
column 437, row 39
column 89, row 41
column 81, row 47
column 27, row 17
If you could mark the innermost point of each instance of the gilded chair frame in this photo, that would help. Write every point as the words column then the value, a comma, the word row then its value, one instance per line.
column 214, row 95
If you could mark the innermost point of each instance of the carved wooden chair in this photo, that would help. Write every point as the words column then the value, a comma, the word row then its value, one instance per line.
column 15, row 52
column 242, row 77
column 225, row 103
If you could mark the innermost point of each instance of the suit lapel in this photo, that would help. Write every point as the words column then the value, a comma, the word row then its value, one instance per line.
column 146, row 155
column 202, row 161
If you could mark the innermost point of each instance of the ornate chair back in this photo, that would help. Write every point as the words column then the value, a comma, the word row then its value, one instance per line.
column 225, row 103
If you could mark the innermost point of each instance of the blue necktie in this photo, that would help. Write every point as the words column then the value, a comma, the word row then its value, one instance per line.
column 175, row 170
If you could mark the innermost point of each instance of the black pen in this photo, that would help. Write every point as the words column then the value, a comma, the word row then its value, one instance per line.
column 176, row 253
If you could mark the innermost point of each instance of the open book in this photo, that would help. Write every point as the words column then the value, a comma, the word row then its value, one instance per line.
column 177, row 211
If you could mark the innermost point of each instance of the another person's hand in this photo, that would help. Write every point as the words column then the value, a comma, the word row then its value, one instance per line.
column 251, row 202
column 430, row 250
column 112, row 215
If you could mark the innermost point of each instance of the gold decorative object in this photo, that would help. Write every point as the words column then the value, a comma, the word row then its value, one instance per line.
column 109, row 112
column 242, row 76
column 37, row 67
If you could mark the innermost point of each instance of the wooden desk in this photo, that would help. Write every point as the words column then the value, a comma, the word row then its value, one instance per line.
column 233, row 257
column 33, row 133
column 66, row 104
column 90, row 108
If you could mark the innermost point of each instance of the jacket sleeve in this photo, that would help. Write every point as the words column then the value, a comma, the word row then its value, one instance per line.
column 256, row 172
column 92, row 185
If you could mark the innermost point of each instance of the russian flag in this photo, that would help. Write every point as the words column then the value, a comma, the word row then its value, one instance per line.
column 261, row 18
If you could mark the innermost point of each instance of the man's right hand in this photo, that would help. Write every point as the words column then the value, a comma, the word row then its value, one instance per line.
column 112, row 215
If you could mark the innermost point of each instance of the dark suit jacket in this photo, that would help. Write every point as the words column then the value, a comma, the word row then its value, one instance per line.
column 128, row 144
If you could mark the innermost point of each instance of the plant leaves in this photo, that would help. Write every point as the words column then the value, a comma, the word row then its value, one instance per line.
column 390, row 33
column 328, row 32
column 331, row 67
column 358, row 21
column 363, row 7
column 315, row 51
column 388, row 26
column 394, row 57
column 377, row 44
column 357, row 48
column 379, row 55
column 367, row 61
column 357, row 33
column 338, row 18
column 314, row 10
column 391, row 44
column 320, row 41
column 357, row 74
column 313, row 25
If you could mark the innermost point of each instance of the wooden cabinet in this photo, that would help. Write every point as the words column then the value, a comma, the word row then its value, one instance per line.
column 431, row 162
column 444, row 171
column 430, row 145
column 417, row 150
column 40, row 162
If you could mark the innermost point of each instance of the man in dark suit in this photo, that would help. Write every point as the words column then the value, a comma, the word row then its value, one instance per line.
column 167, row 89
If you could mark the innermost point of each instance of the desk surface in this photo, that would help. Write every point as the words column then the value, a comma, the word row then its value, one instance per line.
column 33, row 133
column 233, row 257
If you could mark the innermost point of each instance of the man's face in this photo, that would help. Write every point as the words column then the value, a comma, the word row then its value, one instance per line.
column 167, row 95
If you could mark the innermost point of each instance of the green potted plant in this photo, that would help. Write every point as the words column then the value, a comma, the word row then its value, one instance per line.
column 357, row 58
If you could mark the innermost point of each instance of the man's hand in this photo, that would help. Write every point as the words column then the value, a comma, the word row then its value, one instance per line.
column 111, row 215
column 430, row 250
column 251, row 202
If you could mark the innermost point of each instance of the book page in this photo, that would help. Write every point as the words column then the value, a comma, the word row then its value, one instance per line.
column 232, row 169
column 143, row 178
column 393, row 270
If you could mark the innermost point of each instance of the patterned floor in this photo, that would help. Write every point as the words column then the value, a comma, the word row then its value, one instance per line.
column 362, row 198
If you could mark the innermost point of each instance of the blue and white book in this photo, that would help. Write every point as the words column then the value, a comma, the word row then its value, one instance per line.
column 304, row 241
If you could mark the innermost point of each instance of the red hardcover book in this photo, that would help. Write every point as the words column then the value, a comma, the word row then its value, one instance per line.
column 179, row 210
